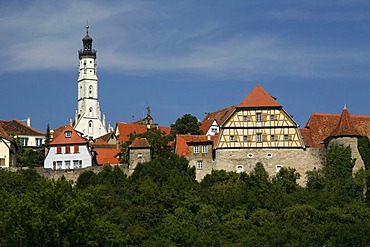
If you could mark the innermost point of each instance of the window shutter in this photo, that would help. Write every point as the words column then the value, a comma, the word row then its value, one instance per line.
column 264, row 138
column 59, row 150
column 76, row 149
column 68, row 149
column 264, row 117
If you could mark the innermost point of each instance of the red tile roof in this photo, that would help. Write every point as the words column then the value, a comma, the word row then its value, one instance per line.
column 321, row 125
column 140, row 143
column 74, row 139
column 345, row 126
column 106, row 153
column 125, row 129
column 220, row 116
column 5, row 135
column 183, row 141
column 17, row 127
column 258, row 97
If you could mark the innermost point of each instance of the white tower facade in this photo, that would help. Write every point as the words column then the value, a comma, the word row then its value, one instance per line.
column 88, row 119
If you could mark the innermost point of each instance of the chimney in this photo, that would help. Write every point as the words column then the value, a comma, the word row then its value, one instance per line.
column 29, row 122
column 70, row 121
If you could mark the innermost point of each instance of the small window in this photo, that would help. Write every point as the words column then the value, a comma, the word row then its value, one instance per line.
column 232, row 138
column 245, row 118
column 39, row 141
column 272, row 137
column 286, row 138
column 278, row 168
column 239, row 168
column 269, row 155
column 24, row 141
column 259, row 137
column 272, row 117
column 204, row 149
column 68, row 164
column 68, row 134
column 59, row 165
column 214, row 130
column 75, row 164
column 245, row 138
column 196, row 149
column 140, row 155
column 200, row 164
column 250, row 155
column 80, row 163
column 259, row 117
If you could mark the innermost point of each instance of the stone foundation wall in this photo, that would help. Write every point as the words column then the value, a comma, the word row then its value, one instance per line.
column 302, row 160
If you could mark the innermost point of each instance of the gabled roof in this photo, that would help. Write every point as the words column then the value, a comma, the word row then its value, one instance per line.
column 258, row 97
column 220, row 116
column 206, row 125
column 140, row 143
column 75, row 137
column 183, row 141
column 125, row 129
column 321, row 125
column 17, row 127
column 345, row 126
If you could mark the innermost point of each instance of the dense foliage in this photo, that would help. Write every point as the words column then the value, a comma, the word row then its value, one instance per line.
column 161, row 204
column 187, row 124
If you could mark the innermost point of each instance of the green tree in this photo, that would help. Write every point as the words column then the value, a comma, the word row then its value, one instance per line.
column 187, row 124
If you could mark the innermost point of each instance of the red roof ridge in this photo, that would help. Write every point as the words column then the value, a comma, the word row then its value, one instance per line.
column 258, row 97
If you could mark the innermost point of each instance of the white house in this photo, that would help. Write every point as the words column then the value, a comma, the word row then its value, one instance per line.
column 69, row 150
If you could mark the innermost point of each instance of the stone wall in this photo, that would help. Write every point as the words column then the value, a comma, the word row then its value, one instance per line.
column 71, row 175
column 302, row 160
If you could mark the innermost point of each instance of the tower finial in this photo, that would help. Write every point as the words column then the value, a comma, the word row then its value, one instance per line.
column 345, row 107
column 87, row 27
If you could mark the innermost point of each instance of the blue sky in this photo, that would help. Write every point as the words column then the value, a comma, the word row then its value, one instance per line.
column 184, row 56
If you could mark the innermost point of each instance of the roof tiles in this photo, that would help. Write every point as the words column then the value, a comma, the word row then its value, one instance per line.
column 258, row 97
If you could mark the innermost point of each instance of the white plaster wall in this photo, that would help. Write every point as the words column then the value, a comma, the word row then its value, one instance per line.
column 83, row 155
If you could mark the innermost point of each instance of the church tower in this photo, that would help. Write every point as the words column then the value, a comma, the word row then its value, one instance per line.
column 88, row 116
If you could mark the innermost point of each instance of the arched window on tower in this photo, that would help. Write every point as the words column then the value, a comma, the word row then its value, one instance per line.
column 90, row 91
column 91, row 112
column 91, row 127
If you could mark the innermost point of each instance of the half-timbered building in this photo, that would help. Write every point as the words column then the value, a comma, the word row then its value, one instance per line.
column 260, row 130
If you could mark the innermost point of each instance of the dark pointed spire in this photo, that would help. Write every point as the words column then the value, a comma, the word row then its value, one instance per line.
column 87, row 41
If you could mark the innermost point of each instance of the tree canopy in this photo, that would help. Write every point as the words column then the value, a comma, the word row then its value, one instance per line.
column 162, row 204
column 187, row 124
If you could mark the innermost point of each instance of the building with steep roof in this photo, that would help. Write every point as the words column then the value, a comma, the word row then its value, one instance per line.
column 259, row 129
column 140, row 152
column 69, row 150
column 28, row 136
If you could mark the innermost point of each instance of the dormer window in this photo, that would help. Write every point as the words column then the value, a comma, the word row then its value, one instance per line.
column 68, row 134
